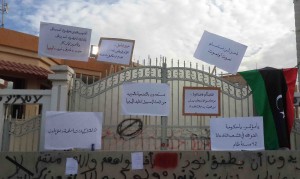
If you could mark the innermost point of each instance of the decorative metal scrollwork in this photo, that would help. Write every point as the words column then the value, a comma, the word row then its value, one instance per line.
column 155, row 72
column 296, row 128
column 20, row 129
column 116, row 79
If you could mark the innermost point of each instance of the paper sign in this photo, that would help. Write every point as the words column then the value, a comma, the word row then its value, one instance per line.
column 68, row 130
column 145, row 99
column 137, row 160
column 243, row 133
column 201, row 101
column 64, row 42
column 115, row 50
column 71, row 166
column 226, row 54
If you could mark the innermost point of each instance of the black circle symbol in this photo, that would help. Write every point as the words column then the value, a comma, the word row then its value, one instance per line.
column 130, row 128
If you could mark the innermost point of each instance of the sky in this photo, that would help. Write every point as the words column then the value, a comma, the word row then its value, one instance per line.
column 172, row 28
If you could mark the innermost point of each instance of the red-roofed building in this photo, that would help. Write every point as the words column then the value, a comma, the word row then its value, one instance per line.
column 22, row 68
column 20, row 63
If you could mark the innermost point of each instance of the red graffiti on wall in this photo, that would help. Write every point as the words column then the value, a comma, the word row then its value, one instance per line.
column 166, row 160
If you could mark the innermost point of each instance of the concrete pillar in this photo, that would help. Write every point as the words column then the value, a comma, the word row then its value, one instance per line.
column 61, row 81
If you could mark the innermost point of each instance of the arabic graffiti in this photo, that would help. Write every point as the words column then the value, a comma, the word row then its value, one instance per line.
column 19, row 165
column 17, row 99
column 177, row 165
column 200, row 142
column 132, row 132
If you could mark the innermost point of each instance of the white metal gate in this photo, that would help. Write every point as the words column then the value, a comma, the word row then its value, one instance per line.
column 175, row 132
column 120, row 132
column 22, row 112
column 21, row 127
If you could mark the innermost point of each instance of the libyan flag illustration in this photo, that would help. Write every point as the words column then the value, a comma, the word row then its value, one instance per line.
column 273, row 94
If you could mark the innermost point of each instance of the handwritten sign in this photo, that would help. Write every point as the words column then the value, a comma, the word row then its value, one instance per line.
column 68, row 130
column 222, row 52
column 145, row 99
column 115, row 50
column 201, row 101
column 244, row 133
column 64, row 42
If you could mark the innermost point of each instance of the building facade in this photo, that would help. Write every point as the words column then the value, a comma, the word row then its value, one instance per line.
column 21, row 64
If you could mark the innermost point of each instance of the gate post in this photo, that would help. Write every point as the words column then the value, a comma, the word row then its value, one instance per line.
column 5, row 136
column 61, row 80
column 164, row 119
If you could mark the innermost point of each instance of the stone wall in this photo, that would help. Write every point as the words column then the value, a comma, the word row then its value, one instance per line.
column 175, row 165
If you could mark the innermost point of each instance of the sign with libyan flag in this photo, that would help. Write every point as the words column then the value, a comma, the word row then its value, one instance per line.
column 273, row 93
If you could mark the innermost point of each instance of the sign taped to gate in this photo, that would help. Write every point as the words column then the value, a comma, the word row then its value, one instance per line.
column 240, row 133
column 146, row 99
column 69, row 130
column 201, row 101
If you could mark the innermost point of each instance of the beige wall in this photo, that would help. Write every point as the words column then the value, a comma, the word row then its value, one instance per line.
column 28, row 58
column 20, row 47
column 24, row 57
column 23, row 48
column 176, row 165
